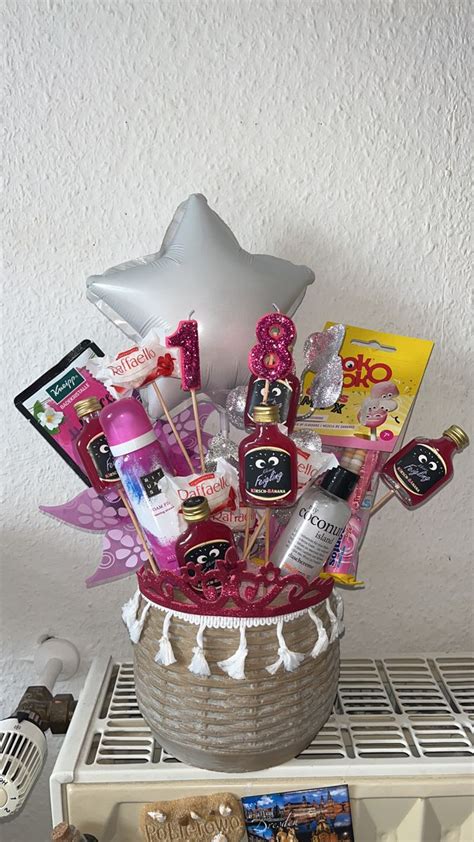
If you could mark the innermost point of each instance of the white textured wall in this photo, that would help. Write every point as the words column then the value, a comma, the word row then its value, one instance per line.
column 332, row 133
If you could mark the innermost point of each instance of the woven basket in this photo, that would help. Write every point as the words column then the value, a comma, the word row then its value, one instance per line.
column 216, row 722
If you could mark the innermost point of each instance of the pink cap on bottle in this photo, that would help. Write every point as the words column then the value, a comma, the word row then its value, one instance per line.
column 126, row 426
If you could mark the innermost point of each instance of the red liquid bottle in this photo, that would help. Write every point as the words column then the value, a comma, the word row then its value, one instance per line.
column 205, row 541
column 268, row 466
column 423, row 466
column 92, row 447
column 284, row 394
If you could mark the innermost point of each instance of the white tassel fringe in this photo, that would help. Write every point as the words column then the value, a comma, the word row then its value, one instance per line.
column 339, row 613
column 130, row 609
column 199, row 665
column 286, row 658
column 334, row 622
column 235, row 665
column 137, row 627
column 165, row 655
column 322, row 641
column 130, row 618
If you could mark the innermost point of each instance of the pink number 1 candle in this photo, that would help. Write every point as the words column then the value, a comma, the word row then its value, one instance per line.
column 186, row 338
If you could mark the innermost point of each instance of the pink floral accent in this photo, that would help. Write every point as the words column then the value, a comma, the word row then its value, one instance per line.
column 90, row 511
column 130, row 550
column 122, row 554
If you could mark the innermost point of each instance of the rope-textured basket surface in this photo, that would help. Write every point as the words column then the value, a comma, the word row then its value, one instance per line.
column 218, row 723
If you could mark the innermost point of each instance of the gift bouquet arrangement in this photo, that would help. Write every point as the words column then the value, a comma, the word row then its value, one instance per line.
column 238, row 496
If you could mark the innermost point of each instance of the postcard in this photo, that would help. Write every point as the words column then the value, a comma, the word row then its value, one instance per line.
column 321, row 814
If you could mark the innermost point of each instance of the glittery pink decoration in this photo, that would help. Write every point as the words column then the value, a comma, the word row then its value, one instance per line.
column 231, row 589
column 271, row 357
column 186, row 338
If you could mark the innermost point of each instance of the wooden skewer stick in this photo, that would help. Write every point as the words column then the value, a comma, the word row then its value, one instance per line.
column 255, row 535
column 267, row 536
column 173, row 426
column 248, row 515
column 139, row 531
column 381, row 502
column 198, row 428
column 266, row 390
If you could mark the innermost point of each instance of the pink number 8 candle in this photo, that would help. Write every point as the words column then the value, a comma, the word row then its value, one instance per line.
column 271, row 356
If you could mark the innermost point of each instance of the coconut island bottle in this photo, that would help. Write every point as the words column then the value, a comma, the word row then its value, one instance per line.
column 316, row 525
column 268, row 463
column 423, row 466
column 205, row 541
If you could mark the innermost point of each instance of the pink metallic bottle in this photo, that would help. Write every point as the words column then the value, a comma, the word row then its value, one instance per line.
column 268, row 466
column 141, row 465
column 205, row 541
column 284, row 394
column 423, row 466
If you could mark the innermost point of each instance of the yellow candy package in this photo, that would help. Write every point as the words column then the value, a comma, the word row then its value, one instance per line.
column 382, row 375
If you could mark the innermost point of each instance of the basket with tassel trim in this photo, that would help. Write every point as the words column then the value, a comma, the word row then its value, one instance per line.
column 242, row 684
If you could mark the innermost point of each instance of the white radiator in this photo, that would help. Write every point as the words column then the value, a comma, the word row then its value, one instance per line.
column 400, row 736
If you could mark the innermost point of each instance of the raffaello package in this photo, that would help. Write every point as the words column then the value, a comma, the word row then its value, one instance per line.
column 219, row 487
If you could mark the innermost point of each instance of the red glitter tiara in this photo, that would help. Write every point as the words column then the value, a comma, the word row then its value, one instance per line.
column 231, row 589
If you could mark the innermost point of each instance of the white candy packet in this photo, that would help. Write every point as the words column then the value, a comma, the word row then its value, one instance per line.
column 219, row 487
column 311, row 464
column 137, row 366
column 236, row 519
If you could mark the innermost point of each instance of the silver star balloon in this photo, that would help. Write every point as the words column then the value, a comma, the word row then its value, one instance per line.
column 202, row 268
column 321, row 352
